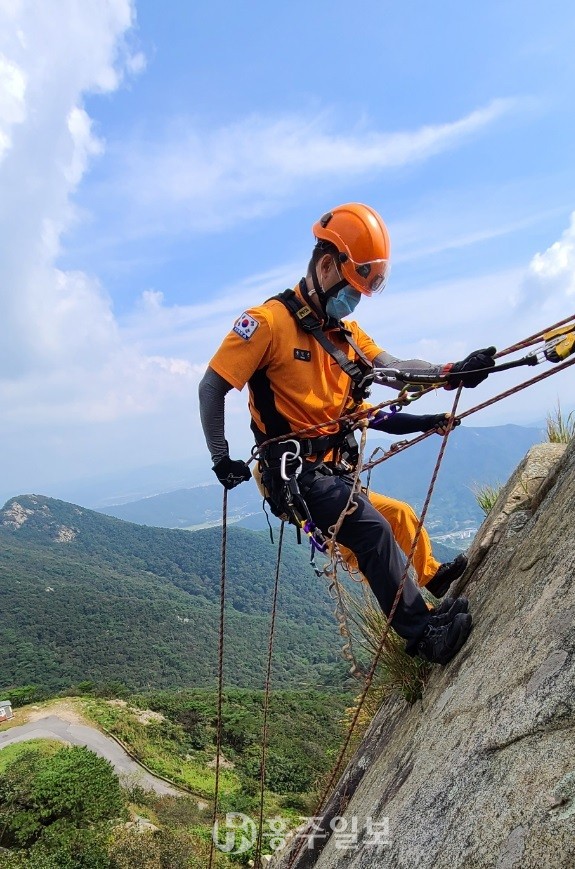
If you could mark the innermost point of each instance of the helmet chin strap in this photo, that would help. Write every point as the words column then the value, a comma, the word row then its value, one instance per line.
column 325, row 295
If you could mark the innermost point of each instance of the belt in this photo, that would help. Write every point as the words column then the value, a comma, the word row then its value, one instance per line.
column 307, row 446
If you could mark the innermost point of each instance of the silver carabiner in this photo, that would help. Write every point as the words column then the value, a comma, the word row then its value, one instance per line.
column 385, row 375
column 289, row 457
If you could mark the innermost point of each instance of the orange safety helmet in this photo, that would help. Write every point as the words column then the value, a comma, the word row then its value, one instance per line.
column 362, row 240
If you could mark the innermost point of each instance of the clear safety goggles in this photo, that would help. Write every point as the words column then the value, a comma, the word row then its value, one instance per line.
column 368, row 278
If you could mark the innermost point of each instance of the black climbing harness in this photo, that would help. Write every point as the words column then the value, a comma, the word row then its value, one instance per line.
column 282, row 463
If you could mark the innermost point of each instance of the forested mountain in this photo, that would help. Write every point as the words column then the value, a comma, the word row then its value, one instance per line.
column 84, row 596
column 87, row 596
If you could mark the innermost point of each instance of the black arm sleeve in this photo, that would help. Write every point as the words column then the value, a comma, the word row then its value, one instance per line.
column 212, row 392
column 386, row 360
column 407, row 423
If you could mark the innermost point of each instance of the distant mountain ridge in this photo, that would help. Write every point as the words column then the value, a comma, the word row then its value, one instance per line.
column 474, row 456
column 186, row 508
column 86, row 596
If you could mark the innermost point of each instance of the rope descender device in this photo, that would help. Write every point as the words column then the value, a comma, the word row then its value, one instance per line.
column 559, row 344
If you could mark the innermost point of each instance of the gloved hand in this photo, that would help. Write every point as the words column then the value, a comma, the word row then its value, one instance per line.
column 438, row 421
column 407, row 423
column 479, row 359
column 231, row 472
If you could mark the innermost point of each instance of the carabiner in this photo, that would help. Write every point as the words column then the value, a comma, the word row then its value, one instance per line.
column 411, row 392
column 289, row 457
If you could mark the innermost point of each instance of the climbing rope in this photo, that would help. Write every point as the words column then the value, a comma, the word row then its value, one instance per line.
column 258, row 852
column 336, row 559
column 537, row 337
column 342, row 619
column 220, row 672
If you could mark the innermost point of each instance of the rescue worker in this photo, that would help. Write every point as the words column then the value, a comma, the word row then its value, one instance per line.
column 306, row 366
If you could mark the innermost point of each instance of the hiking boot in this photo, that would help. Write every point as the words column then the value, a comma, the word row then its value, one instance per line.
column 446, row 574
column 440, row 643
column 448, row 609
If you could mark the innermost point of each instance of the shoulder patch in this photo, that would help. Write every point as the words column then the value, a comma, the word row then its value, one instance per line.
column 245, row 326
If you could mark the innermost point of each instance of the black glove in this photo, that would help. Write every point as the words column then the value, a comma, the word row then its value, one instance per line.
column 407, row 423
column 454, row 372
column 439, row 421
column 231, row 472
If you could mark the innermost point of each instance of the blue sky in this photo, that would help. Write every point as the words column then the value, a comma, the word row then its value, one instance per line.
column 161, row 166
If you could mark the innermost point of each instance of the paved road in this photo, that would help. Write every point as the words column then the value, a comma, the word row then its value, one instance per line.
column 53, row 727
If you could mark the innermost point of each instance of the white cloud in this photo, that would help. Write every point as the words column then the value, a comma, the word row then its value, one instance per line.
column 70, row 369
column 74, row 388
column 12, row 94
column 59, row 341
column 494, row 307
column 434, row 233
column 85, row 144
column 186, row 329
column 215, row 178
column 555, row 268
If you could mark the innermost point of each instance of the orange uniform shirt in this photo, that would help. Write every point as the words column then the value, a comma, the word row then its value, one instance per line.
column 293, row 382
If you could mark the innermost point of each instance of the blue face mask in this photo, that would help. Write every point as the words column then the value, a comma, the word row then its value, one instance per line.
column 343, row 303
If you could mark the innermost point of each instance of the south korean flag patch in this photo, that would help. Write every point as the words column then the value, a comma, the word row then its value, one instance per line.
column 245, row 326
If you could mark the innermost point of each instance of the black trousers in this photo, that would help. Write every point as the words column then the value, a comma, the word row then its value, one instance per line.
column 370, row 538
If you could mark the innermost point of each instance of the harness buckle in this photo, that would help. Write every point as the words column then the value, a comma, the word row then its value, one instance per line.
column 362, row 389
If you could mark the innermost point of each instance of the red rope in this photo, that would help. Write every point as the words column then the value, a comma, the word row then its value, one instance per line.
column 533, row 339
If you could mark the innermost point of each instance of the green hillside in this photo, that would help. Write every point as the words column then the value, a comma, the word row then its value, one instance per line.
column 88, row 597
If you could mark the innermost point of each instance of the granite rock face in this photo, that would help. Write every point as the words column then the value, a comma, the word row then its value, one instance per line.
column 481, row 772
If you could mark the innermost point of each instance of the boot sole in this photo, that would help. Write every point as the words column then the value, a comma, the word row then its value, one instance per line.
column 464, row 632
